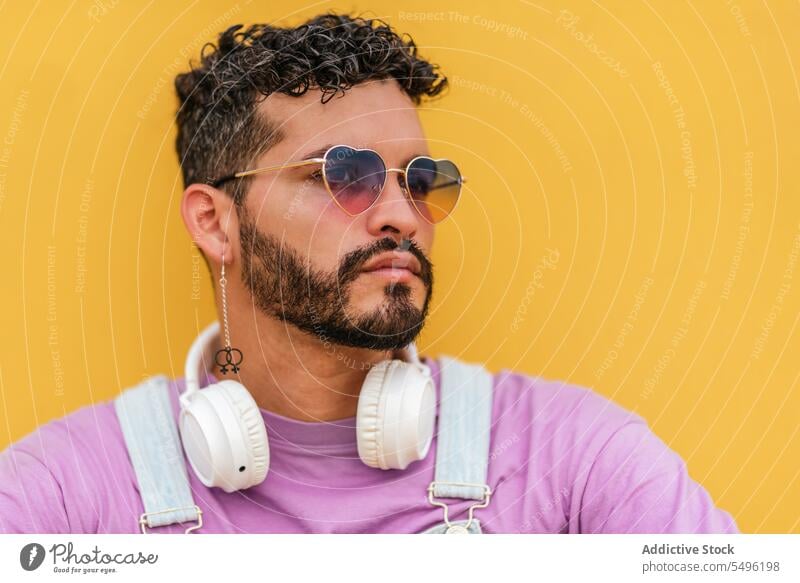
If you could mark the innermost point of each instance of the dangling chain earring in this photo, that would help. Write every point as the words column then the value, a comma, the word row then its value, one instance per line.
column 227, row 353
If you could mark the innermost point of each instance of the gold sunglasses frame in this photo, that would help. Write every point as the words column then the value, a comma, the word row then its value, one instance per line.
column 404, row 171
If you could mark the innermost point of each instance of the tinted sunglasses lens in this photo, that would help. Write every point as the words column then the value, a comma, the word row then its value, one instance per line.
column 355, row 177
column 435, row 186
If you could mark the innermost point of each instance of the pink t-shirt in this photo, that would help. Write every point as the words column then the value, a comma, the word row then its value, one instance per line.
column 563, row 459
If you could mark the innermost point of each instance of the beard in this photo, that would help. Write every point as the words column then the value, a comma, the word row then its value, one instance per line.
column 287, row 288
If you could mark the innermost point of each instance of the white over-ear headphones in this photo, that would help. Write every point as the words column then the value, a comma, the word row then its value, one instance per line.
column 225, row 439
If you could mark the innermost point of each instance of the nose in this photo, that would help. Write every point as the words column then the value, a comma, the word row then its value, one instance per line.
column 393, row 211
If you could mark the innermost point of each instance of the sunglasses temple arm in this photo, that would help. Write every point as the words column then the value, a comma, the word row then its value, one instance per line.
column 244, row 173
column 280, row 167
column 463, row 180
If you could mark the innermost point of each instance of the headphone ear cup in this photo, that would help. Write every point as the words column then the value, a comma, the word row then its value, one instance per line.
column 254, row 431
column 396, row 415
column 224, row 436
column 368, row 416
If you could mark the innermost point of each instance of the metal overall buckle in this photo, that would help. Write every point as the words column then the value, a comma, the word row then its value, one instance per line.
column 459, row 528
column 143, row 518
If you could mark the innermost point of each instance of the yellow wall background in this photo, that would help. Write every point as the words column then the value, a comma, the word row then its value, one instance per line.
column 631, row 221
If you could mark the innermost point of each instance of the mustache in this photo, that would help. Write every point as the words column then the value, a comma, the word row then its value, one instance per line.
column 353, row 262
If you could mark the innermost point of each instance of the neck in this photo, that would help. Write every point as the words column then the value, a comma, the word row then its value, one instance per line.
column 295, row 374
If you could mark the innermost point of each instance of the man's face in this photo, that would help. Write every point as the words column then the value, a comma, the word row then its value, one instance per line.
column 304, row 258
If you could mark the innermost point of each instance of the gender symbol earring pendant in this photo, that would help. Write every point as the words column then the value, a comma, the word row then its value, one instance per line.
column 227, row 357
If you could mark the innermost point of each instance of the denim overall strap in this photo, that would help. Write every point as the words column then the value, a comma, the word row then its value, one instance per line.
column 462, row 448
column 148, row 426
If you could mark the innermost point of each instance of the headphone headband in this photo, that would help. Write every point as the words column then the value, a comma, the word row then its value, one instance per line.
column 200, row 358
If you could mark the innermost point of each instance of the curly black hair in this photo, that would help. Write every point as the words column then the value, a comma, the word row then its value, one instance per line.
column 218, row 130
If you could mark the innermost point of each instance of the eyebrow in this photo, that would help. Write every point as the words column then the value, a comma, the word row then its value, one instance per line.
column 320, row 152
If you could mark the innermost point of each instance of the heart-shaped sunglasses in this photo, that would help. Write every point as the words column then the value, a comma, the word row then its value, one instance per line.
column 355, row 179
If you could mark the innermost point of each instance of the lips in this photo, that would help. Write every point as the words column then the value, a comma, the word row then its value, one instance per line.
column 394, row 261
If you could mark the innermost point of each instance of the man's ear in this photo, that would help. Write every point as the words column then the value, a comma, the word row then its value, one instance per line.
column 210, row 217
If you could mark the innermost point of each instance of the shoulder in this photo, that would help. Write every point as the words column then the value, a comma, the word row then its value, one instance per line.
column 519, row 394
column 68, row 474
column 557, row 403
column 561, row 424
column 602, row 462
column 49, row 473
column 553, row 422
